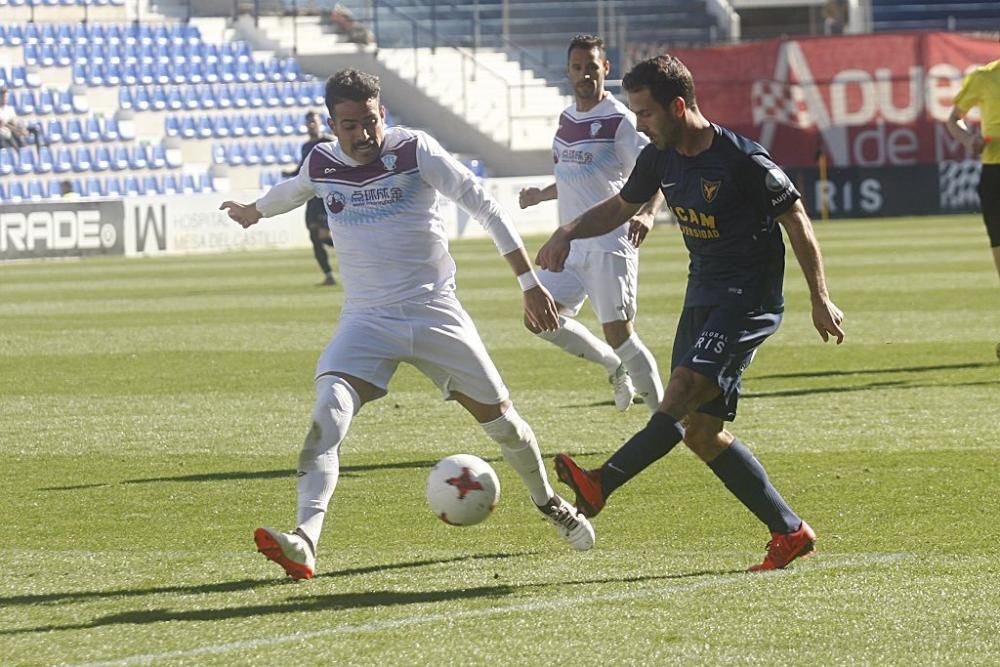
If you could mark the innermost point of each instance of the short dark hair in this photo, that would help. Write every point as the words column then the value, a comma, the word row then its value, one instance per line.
column 587, row 42
column 666, row 77
column 311, row 114
column 351, row 85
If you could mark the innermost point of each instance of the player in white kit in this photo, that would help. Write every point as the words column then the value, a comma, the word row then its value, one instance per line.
column 381, row 188
column 594, row 151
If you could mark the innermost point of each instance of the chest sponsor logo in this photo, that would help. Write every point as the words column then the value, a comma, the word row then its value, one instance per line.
column 575, row 157
column 335, row 202
column 709, row 189
column 376, row 196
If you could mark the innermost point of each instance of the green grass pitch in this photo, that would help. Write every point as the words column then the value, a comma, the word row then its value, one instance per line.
column 151, row 411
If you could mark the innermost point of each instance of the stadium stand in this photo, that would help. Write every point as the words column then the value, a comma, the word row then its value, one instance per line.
column 968, row 15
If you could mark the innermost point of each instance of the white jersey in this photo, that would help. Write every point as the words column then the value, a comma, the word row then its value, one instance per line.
column 594, row 152
column 384, row 217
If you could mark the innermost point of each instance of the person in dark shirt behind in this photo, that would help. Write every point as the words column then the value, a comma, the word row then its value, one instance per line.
column 729, row 199
column 319, row 233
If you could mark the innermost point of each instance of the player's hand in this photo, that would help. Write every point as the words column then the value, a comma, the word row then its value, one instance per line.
column 552, row 256
column 827, row 319
column 540, row 309
column 245, row 214
column 977, row 144
column 638, row 227
column 529, row 197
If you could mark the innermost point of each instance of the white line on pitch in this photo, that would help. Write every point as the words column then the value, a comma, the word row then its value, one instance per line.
column 527, row 607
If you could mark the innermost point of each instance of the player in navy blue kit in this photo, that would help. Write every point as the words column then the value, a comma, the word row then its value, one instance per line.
column 319, row 234
column 728, row 198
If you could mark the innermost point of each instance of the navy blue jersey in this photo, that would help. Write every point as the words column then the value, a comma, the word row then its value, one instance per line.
column 725, row 200
column 315, row 212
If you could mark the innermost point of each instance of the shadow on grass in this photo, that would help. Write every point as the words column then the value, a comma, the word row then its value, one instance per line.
column 894, row 384
column 239, row 585
column 342, row 601
column 256, row 474
column 337, row 601
column 875, row 371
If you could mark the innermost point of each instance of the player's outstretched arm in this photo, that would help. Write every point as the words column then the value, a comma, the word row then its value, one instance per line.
column 826, row 316
column 600, row 219
column 539, row 306
column 245, row 214
column 531, row 196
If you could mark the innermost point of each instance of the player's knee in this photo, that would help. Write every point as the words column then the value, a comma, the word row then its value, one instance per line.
column 335, row 406
column 509, row 429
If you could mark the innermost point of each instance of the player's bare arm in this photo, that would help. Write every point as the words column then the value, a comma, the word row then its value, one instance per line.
column 826, row 316
column 601, row 219
column 961, row 132
column 539, row 307
column 641, row 224
column 245, row 214
column 531, row 196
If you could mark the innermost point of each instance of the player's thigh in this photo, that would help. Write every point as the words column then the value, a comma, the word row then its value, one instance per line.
column 611, row 283
column 565, row 286
column 368, row 346
column 447, row 349
column 719, row 343
column 989, row 198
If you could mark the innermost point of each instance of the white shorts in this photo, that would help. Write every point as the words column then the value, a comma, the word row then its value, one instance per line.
column 610, row 281
column 437, row 337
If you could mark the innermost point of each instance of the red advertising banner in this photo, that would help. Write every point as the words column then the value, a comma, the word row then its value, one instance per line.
column 865, row 100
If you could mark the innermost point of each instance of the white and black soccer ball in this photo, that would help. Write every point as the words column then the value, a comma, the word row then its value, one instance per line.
column 462, row 489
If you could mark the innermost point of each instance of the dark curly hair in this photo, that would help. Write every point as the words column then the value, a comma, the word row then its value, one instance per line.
column 351, row 85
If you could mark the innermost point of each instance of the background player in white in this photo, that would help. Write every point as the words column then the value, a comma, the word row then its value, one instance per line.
column 380, row 187
column 594, row 151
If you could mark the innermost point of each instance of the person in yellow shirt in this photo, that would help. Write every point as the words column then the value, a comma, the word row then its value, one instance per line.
column 981, row 88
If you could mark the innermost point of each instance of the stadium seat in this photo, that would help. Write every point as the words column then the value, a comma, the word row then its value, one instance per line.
column 82, row 160
column 188, row 129
column 24, row 103
column 16, row 192
column 288, row 153
column 288, row 125
column 93, row 187
column 63, row 161
column 91, row 131
column 254, row 126
column 220, row 127
column 205, row 183
column 54, row 131
column 188, row 184
column 204, row 127
column 255, row 97
column 73, row 131
column 113, row 187
column 158, row 99
column 137, row 158
column 174, row 157
column 54, row 188
column 140, row 100
column 272, row 126
column 43, row 164
column 252, row 154
column 102, row 159
column 35, row 191
column 220, row 154
column 4, row 196
column 236, row 155
column 132, row 187
column 156, row 156
column 25, row 163
column 151, row 184
column 221, row 96
column 238, row 126
column 62, row 101
column 268, row 154
column 7, row 161
column 109, row 130
column 120, row 158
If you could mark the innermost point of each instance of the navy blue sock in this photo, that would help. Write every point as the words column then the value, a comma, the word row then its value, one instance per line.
column 746, row 478
column 661, row 434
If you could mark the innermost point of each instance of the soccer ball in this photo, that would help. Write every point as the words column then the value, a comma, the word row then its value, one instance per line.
column 462, row 489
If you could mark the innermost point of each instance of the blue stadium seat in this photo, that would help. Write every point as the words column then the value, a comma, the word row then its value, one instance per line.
column 109, row 130
column 35, row 192
column 172, row 126
column 174, row 157
column 157, row 157
column 158, row 100
column 63, row 161
column 46, row 103
column 25, row 163
column 132, row 187
column 91, row 131
column 24, row 103
column 188, row 129
column 205, row 127
column 222, row 97
column 44, row 163
column 54, row 131
column 270, row 94
column 170, row 185
column 113, row 187
column 120, row 158
column 16, row 192
column 82, row 160
column 62, row 100
column 205, row 183
column 94, row 187
column 288, row 153
column 255, row 97
column 288, row 124
column 238, row 125
column 268, row 154
column 102, row 159
column 252, row 155
column 236, row 155
column 73, row 132
column 4, row 196
column 188, row 184
column 54, row 188
column 254, row 126
column 7, row 160
column 272, row 126
column 137, row 158
column 151, row 184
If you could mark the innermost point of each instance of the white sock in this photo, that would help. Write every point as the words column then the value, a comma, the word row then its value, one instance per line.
column 319, row 460
column 578, row 341
column 641, row 366
column 520, row 450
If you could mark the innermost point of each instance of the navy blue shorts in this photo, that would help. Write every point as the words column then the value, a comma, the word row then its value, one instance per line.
column 989, row 201
column 719, row 342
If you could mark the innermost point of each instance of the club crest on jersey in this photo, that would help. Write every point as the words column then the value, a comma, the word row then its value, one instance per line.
column 595, row 127
column 389, row 161
column 709, row 189
column 335, row 202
